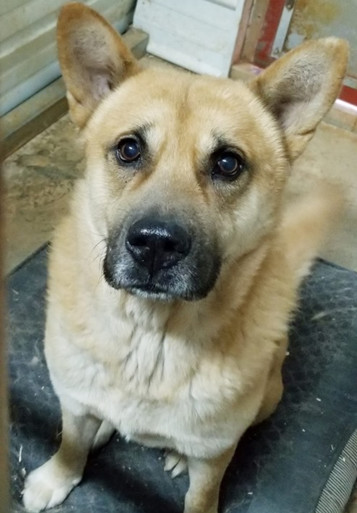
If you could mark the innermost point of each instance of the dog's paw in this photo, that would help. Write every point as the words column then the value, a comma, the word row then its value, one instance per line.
column 47, row 487
column 175, row 463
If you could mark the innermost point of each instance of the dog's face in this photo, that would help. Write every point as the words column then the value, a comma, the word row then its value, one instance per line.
column 185, row 174
column 179, row 186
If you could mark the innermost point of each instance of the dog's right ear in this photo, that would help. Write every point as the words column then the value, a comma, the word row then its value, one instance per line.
column 93, row 58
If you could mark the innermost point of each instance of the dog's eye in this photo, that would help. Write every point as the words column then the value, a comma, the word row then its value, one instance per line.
column 128, row 150
column 229, row 165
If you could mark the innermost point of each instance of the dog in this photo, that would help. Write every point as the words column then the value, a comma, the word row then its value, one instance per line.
column 173, row 279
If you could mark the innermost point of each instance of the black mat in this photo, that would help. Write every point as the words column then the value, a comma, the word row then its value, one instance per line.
column 280, row 466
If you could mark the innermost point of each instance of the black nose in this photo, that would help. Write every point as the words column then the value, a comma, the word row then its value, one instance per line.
column 157, row 244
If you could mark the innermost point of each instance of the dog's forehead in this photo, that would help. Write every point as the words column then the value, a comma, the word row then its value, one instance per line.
column 197, row 108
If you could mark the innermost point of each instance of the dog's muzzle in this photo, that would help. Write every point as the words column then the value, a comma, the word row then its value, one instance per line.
column 159, row 257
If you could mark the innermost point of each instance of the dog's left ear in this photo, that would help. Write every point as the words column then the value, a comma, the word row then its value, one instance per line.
column 300, row 88
column 93, row 59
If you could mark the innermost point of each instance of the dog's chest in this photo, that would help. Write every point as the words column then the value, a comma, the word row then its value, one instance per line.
column 149, row 384
column 148, row 370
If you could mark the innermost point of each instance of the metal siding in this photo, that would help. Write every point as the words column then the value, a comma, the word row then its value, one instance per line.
column 28, row 58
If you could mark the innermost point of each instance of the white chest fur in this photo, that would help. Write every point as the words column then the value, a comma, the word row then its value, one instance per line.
column 153, row 384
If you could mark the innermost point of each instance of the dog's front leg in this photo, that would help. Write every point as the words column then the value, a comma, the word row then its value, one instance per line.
column 50, row 484
column 205, row 481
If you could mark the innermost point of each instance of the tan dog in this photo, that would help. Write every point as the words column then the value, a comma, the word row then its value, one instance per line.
column 173, row 279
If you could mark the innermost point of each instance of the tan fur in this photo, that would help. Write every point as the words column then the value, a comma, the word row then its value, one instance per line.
column 187, row 376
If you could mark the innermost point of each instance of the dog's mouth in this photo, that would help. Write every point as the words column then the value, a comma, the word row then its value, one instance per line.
column 180, row 282
column 160, row 259
column 151, row 291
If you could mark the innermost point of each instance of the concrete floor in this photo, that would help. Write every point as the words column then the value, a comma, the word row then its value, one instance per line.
column 331, row 156
column 38, row 178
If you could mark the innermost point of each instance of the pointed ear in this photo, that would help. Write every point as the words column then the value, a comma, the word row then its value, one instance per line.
column 93, row 59
column 300, row 88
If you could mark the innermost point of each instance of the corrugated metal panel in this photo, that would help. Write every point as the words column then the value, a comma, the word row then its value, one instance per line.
column 28, row 59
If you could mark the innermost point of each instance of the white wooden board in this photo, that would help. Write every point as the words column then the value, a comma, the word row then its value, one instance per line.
column 199, row 35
